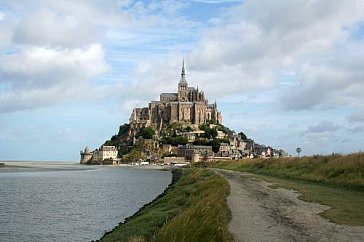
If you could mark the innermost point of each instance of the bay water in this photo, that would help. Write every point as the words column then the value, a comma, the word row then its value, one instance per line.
column 73, row 203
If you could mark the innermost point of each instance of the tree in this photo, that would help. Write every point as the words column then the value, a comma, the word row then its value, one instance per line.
column 178, row 140
column 133, row 156
column 215, row 145
column 207, row 133
column 242, row 135
column 214, row 133
column 123, row 129
column 298, row 150
column 147, row 133
column 181, row 140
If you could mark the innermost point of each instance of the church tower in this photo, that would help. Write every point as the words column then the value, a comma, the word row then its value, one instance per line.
column 182, row 86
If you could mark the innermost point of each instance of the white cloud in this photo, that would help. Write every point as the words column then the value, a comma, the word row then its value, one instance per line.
column 261, row 43
column 265, row 40
column 47, row 28
column 42, row 76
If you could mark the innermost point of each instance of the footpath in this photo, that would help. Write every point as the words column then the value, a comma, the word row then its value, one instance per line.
column 261, row 213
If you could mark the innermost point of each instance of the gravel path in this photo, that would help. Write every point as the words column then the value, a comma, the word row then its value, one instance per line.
column 261, row 213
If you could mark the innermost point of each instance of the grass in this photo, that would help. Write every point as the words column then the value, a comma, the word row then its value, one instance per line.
column 341, row 170
column 192, row 209
column 346, row 205
column 336, row 181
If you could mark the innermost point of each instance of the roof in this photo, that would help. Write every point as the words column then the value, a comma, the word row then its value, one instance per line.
column 183, row 74
column 189, row 146
column 183, row 80
column 169, row 94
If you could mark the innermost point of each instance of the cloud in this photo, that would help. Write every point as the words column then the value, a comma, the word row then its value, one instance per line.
column 260, row 43
column 357, row 129
column 40, row 76
column 47, row 28
column 310, row 39
column 217, row 1
column 357, row 117
column 322, row 127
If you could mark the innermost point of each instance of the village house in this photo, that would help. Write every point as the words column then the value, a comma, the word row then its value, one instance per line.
column 188, row 151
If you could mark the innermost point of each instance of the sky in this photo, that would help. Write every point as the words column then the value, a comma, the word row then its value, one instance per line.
column 287, row 73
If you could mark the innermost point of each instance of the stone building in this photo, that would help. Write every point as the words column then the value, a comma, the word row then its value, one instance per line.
column 86, row 156
column 104, row 155
column 188, row 151
column 188, row 106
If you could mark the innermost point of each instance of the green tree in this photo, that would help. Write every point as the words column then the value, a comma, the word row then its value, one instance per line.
column 208, row 133
column 215, row 145
column 115, row 139
column 133, row 156
column 147, row 133
column 123, row 129
column 242, row 135
column 214, row 133
column 178, row 140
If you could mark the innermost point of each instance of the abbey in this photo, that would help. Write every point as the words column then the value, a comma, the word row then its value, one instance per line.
column 188, row 106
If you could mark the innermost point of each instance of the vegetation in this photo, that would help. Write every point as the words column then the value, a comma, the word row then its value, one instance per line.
column 346, row 205
column 210, row 133
column 135, row 154
column 192, row 209
column 215, row 145
column 242, row 136
column 115, row 139
column 224, row 129
column 177, row 140
column 342, row 170
column 336, row 181
column 170, row 129
column 147, row 133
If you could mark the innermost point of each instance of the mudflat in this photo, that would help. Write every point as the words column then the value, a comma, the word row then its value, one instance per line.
column 261, row 213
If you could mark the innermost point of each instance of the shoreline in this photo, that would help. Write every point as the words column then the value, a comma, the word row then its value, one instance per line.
column 172, row 215
column 176, row 176
column 30, row 165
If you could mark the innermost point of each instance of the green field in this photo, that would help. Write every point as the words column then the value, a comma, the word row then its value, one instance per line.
column 340, row 170
column 336, row 181
column 193, row 209
column 346, row 205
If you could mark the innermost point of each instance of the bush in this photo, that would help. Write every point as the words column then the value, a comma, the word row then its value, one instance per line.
column 147, row 133
column 177, row 140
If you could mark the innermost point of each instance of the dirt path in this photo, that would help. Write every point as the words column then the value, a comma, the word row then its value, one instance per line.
column 261, row 213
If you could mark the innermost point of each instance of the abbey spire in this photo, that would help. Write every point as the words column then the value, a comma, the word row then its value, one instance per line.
column 183, row 74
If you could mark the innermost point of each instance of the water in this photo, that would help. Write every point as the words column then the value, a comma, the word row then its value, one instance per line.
column 72, row 204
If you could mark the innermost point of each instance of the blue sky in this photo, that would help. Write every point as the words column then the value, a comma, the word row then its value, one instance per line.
column 287, row 73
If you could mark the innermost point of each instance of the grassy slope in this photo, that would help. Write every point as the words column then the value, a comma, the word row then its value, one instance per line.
column 193, row 209
column 340, row 170
column 346, row 205
column 336, row 181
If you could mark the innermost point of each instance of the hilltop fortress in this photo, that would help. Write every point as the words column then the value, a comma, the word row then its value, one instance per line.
column 188, row 106
column 181, row 126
